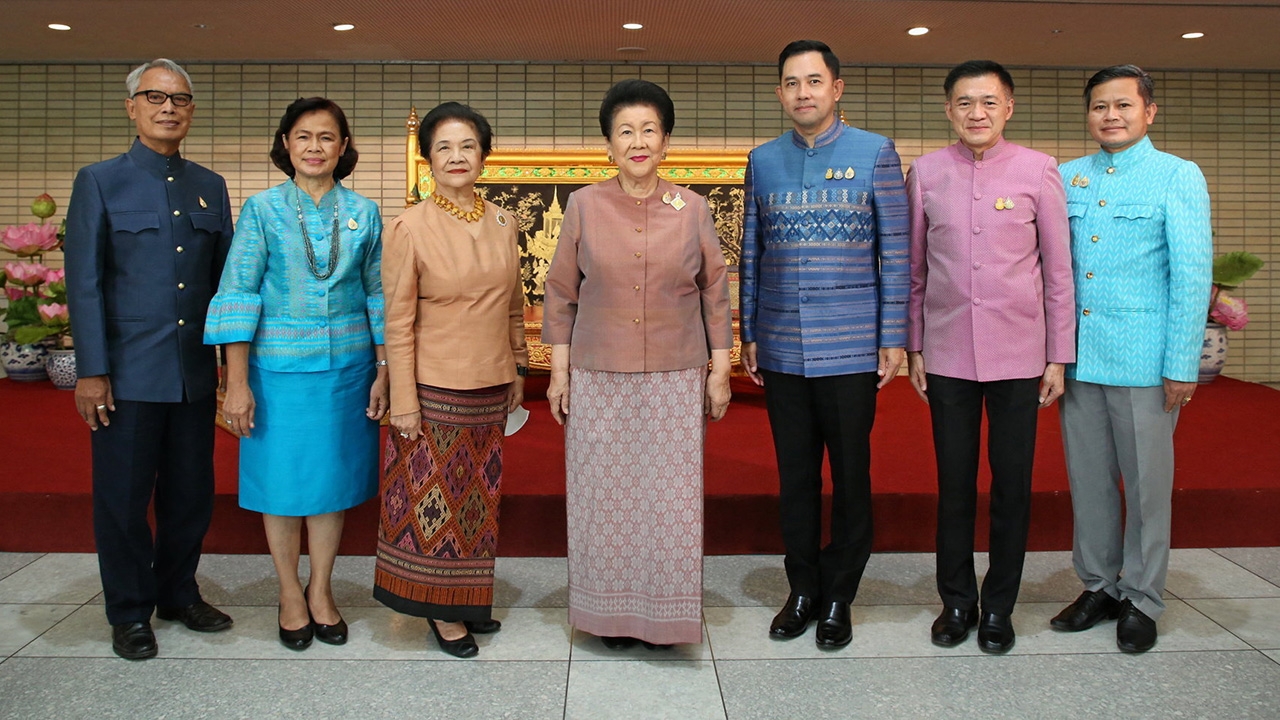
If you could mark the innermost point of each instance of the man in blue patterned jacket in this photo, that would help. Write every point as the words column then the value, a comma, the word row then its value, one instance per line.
column 147, row 235
column 1142, row 249
column 824, row 284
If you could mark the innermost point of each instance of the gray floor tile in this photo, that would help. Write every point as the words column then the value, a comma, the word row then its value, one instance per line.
column 743, row 580
column 1155, row 685
column 588, row 647
column 531, row 582
column 251, row 580
column 899, row 579
column 1263, row 562
column 20, row 624
column 11, row 562
column 648, row 690
column 55, row 578
column 1199, row 573
column 85, row 688
column 1273, row 654
column 1254, row 620
column 376, row 634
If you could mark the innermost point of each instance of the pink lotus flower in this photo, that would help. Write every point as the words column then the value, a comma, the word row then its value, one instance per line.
column 14, row 293
column 30, row 239
column 53, row 276
column 26, row 274
column 1230, row 311
column 54, row 313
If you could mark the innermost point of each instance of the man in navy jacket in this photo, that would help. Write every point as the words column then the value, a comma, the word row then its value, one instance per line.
column 147, row 235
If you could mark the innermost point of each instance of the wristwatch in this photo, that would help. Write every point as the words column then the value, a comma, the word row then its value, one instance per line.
column 522, row 370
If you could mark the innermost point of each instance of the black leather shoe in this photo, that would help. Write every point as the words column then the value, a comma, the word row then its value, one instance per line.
column 463, row 647
column 618, row 642
column 134, row 641
column 299, row 639
column 793, row 619
column 1091, row 608
column 995, row 633
column 335, row 634
column 483, row 627
column 656, row 646
column 1135, row 633
column 835, row 629
column 199, row 616
column 953, row 625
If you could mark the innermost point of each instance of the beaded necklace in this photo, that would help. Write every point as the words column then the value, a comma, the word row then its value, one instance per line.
column 306, row 238
column 448, row 206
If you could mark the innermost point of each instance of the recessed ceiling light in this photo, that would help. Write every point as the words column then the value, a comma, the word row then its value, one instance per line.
column 631, row 26
column 59, row 26
column 343, row 27
column 1192, row 35
column 918, row 31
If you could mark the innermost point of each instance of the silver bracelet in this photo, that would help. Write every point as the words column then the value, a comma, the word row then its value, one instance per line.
column 379, row 363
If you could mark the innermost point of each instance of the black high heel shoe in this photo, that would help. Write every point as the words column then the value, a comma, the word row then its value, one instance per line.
column 335, row 634
column 299, row 639
column 483, row 627
column 463, row 647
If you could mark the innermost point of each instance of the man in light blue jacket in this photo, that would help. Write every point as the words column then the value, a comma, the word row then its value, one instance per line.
column 1142, row 249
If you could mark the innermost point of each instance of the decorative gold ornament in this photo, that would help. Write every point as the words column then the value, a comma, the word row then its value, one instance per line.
column 1004, row 203
column 676, row 202
column 839, row 174
column 666, row 198
column 1079, row 181
column 448, row 206
column 502, row 219
column 848, row 173
column 352, row 224
column 830, row 173
column 203, row 204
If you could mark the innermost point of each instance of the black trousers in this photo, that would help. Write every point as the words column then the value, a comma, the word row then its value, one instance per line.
column 808, row 415
column 163, row 450
column 955, row 406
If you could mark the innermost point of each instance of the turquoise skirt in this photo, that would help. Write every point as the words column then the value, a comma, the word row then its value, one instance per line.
column 312, row 450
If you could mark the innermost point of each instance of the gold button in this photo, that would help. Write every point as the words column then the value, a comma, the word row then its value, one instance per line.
column 636, row 320
column 637, row 287
column 182, row 322
column 1111, row 171
column 179, row 248
column 170, row 178
column 637, row 254
column 1102, row 203
column 1089, row 275
column 176, row 213
column 1086, row 311
column 182, row 286
column 1094, row 238
column 639, row 229
column 639, row 202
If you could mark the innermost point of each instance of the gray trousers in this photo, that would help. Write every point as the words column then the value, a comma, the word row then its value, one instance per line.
column 1111, row 433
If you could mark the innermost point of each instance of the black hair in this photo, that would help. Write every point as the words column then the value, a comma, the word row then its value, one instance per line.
column 633, row 92
column 300, row 107
column 800, row 47
column 1146, row 86
column 977, row 68
column 455, row 111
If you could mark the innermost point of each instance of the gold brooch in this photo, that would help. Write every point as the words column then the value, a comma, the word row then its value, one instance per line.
column 502, row 219
column 1079, row 181
column 830, row 173
column 676, row 202
column 203, row 204
column 352, row 224
column 1004, row 203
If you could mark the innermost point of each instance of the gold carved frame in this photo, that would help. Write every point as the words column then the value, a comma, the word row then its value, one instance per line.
column 716, row 174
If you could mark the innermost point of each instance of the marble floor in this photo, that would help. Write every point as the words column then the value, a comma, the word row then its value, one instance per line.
column 1218, row 655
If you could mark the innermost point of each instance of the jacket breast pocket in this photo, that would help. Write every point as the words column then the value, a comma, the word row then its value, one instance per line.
column 1137, row 213
column 135, row 223
column 206, row 222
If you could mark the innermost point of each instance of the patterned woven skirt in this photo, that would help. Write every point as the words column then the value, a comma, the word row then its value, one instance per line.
column 438, row 529
column 633, row 460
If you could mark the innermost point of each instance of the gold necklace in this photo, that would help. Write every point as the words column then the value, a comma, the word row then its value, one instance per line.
column 448, row 206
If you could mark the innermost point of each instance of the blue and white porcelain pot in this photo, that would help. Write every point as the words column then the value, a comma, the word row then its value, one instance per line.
column 24, row 363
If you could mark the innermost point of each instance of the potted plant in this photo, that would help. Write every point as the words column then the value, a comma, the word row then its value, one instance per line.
column 27, row 285
column 1226, row 312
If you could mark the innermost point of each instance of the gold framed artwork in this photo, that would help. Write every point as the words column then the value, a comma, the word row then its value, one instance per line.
column 534, row 185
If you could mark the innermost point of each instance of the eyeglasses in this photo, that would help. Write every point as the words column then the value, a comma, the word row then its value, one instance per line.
column 158, row 97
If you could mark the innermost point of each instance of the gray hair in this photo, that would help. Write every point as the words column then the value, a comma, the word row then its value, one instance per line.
column 131, row 82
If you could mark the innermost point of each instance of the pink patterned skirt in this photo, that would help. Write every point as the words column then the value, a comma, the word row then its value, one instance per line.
column 633, row 459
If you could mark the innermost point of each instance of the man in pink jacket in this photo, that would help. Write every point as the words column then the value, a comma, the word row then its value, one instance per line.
column 991, row 319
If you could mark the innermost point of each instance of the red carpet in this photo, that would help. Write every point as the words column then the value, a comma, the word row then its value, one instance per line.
column 1228, row 481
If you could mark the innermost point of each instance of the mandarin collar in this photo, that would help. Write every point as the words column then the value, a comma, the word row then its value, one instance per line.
column 991, row 153
column 154, row 162
column 1132, row 154
column 826, row 137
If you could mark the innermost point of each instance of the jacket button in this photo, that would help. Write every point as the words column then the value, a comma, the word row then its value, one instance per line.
column 636, row 320
column 1089, row 275
column 639, row 229
column 181, row 323
column 1111, row 171
column 637, row 288
column 182, row 286
column 170, row 178
column 1085, row 311
column 1102, row 203
column 179, row 248
column 637, row 254
column 1094, row 238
